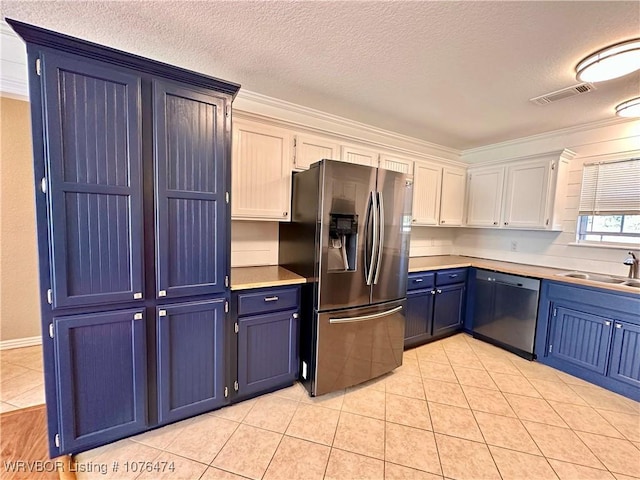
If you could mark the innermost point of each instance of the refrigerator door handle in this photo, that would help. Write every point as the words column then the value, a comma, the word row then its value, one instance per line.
column 371, row 214
column 363, row 318
column 381, row 235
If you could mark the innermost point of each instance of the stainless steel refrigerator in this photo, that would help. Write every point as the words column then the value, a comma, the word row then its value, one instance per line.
column 349, row 233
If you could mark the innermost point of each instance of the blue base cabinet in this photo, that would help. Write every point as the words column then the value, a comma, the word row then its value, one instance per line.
column 267, row 339
column 591, row 333
column 132, row 171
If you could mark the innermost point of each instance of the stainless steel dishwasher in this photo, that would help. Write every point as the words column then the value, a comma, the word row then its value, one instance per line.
column 506, row 311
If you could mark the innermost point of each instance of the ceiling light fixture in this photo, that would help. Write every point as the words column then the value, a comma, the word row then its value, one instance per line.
column 611, row 62
column 630, row 108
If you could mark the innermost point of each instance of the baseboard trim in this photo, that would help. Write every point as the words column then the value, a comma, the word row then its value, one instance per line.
column 20, row 342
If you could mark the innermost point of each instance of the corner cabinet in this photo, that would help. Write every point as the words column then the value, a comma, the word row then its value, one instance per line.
column 528, row 193
column 132, row 168
column 261, row 171
column 591, row 333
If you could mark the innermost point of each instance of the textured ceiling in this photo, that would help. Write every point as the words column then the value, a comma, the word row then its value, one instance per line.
column 454, row 73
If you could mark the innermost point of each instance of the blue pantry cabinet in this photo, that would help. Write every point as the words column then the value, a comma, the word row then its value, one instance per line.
column 132, row 166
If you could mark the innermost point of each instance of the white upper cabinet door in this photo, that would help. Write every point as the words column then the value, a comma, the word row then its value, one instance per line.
column 484, row 200
column 454, row 181
column 427, row 182
column 361, row 156
column 527, row 194
column 397, row 164
column 309, row 149
column 261, row 172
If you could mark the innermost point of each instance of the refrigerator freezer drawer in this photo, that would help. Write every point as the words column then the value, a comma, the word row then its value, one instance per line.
column 358, row 344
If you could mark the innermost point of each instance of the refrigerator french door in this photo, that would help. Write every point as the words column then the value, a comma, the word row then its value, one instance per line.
column 349, row 232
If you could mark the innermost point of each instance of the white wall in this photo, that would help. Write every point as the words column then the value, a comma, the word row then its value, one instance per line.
column 606, row 142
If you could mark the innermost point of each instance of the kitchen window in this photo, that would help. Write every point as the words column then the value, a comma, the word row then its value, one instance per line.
column 609, row 211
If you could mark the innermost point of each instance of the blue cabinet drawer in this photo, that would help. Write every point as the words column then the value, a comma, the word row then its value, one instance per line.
column 420, row 280
column 448, row 277
column 269, row 300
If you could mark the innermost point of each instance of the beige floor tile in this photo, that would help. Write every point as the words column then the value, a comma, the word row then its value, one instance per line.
column 11, row 388
column 561, row 444
column 464, row 359
column 127, row 455
column 535, row 410
column 444, row 392
column 603, row 399
column 410, row 353
column 499, row 365
column 570, row 379
column 405, row 385
column 317, row 424
column 24, row 356
column 235, row 412
column 465, row 460
column 491, row 401
column 399, row 472
column 29, row 398
column 7, row 407
column 619, row 476
column 271, row 413
column 333, row 400
column 346, row 465
column 294, row 392
column 435, row 355
column 438, row 371
column 619, row 456
column 514, row 384
column 517, row 465
column 297, row 459
column 365, row 401
column 585, row 419
column 362, row 435
column 202, row 438
column 412, row 412
column 474, row 378
column 161, row 437
column 627, row 424
column 535, row 370
column 11, row 370
column 183, row 468
column 506, row 432
column 410, row 366
column 248, row 451
column 412, row 448
column 571, row 471
column 377, row 383
column 454, row 421
column 213, row 473
column 556, row 391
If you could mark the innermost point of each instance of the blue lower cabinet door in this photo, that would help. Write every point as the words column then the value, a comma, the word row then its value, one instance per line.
column 418, row 317
column 448, row 308
column 580, row 338
column 101, row 377
column 267, row 351
column 191, row 364
column 625, row 353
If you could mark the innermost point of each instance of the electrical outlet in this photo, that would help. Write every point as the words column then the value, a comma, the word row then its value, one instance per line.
column 514, row 246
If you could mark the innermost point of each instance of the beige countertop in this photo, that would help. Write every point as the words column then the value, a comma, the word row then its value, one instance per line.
column 243, row 278
column 421, row 264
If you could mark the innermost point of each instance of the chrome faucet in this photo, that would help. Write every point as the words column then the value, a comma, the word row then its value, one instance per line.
column 634, row 265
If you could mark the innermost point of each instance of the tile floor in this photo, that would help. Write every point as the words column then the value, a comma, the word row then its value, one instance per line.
column 21, row 378
column 457, row 408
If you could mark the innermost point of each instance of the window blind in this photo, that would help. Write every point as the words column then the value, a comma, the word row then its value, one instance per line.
column 611, row 188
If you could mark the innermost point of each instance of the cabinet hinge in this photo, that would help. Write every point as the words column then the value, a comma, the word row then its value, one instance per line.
column 553, row 166
column 550, row 348
column 555, row 311
column 295, row 142
column 236, row 386
column 51, row 330
column 226, row 392
column 236, row 328
column 547, row 222
column 49, row 297
column 56, row 440
column 226, row 307
column 226, row 197
column 38, row 68
column 226, row 281
column 43, row 184
column 227, row 111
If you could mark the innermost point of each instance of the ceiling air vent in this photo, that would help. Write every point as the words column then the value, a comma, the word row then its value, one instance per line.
column 563, row 93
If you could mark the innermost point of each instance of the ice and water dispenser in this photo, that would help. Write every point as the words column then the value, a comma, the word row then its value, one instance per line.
column 343, row 242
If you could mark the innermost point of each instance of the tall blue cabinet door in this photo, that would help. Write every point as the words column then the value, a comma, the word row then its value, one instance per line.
column 190, row 358
column 191, row 213
column 92, row 124
column 267, row 351
column 580, row 338
column 448, row 308
column 101, row 377
column 625, row 353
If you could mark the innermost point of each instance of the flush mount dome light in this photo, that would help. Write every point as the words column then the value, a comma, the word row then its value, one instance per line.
column 630, row 108
column 610, row 62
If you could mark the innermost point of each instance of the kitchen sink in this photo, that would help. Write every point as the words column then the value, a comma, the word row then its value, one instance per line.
column 632, row 282
column 594, row 277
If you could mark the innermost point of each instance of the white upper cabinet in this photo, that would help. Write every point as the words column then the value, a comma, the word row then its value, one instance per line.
column 427, row 184
column 454, row 182
column 359, row 155
column 261, row 171
column 310, row 148
column 397, row 164
column 527, row 194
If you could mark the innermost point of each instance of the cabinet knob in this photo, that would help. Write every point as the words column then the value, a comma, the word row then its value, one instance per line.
column 506, row 223
column 441, row 221
column 439, row 291
column 284, row 214
column 495, row 223
column 618, row 325
column 414, row 220
column 433, row 292
column 607, row 323
column 295, row 315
